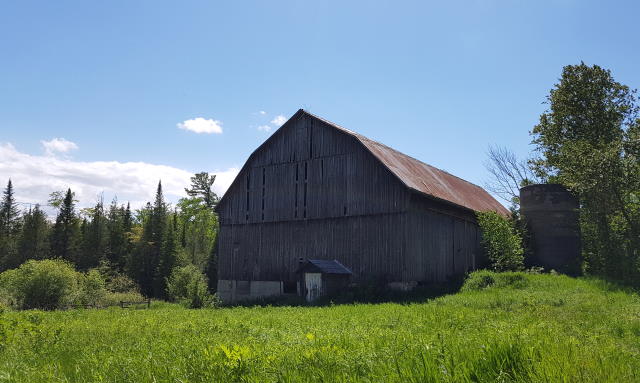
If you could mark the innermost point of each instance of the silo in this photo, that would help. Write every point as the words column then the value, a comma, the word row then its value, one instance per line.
column 551, row 214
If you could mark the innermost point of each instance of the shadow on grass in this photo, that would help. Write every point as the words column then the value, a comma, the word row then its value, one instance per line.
column 369, row 292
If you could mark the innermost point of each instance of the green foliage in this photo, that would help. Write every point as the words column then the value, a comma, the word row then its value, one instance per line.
column 66, row 236
column 501, row 241
column 48, row 284
column 92, row 289
column 553, row 329
column 10, row 223
column 188, row 284
column 202, row 186
column 588, row 141
column 483, row 279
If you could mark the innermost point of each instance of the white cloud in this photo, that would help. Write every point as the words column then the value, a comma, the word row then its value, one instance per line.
column 201, row 125
column 262, row 112
column 264, row 128
column 34, row 177
column 58, row 145
column 279, row 120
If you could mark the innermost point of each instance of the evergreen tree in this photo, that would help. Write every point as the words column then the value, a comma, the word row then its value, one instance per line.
column 117, row 246
column 9, row 228
column 150, row 247
column 94, row 239
column 202, row 186
column 168, row 257
column 66, row 235
column 34, row 236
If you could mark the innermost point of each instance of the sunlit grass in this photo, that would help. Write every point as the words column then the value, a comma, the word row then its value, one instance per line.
column 522, row 327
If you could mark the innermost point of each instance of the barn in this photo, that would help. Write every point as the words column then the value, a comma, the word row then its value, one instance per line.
column 317, row 191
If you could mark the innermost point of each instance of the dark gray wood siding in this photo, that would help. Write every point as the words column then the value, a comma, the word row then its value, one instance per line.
column 314, row 192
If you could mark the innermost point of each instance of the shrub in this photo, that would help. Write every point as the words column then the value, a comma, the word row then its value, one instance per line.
column 91, row 288
column 189, row 285
column 114, row 298
column 47, row 284
column 501, row 241
column 483, row 279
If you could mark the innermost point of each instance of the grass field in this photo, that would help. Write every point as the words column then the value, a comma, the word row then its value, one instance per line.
column 524, row 327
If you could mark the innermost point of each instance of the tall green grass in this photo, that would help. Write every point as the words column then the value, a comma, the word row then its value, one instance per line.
column 499, row 328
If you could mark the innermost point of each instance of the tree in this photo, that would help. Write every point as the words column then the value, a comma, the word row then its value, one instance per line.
column 65, row 236
column 118, row 243
column 9, row 227
column 501, row 241
column 34, row 237
column 198, row 229
column 202, row 186
column 145, row 266
column 168, row 257
column 508, row 174
column 588, row 141
column 94, row 239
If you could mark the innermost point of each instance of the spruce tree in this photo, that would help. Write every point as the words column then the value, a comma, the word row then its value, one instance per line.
column 94, row 239
column 66, row 235
column 9, row 228
column 116, row 252
column 34, row 236
column 149, row 250
column 168, row 257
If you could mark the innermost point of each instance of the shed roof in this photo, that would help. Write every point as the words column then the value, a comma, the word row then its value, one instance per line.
column 324, row 266
column 425, row 178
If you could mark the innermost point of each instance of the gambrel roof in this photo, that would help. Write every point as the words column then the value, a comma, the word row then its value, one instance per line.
column 421, row 177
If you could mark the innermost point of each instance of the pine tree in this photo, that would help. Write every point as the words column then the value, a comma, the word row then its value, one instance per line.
column 34, row 237
column 66, row 235
column 202, row 186
column 9, row 228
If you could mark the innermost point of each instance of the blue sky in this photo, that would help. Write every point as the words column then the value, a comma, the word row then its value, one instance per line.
column 439, row 81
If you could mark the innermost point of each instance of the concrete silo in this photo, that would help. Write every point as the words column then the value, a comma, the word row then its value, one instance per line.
column 551, row 214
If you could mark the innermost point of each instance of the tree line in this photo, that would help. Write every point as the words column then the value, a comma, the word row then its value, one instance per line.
column 146, row 244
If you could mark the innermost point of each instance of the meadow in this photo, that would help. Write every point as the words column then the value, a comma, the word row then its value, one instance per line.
column 498, row 328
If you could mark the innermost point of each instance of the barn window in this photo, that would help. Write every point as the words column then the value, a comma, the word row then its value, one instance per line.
column 295, row 211
column 263, row 190
column 311, row 139
column 304, row 211
column 247, row 205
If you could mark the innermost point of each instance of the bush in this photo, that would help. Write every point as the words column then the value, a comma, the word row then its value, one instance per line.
column 483, row 279
column 47, row 284
column 91, row 288
column 188, row 284
column 501, row 241
column 114, row 298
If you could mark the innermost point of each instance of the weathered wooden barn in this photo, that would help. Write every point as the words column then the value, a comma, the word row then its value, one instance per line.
column 315, row 190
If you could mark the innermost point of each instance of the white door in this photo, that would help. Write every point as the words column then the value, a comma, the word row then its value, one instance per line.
column 313, row 285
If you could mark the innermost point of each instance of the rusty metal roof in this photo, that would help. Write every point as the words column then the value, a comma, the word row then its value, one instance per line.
column 425, row 178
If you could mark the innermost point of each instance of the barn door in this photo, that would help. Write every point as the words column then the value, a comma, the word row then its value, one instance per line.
column 313, row 286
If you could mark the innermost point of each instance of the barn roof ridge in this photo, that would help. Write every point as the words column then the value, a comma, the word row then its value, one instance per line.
column 410, row 177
